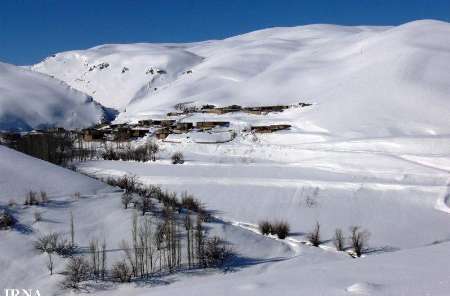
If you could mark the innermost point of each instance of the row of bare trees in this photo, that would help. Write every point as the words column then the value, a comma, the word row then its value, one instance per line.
column 164, row 246
column 145, row 152
column 59, row 148
column 169, row 236
column 357, row 241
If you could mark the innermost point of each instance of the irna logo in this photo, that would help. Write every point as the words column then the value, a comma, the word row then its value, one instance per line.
column 22, row 292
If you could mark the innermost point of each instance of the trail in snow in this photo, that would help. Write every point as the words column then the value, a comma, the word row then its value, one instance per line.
column 293, row 243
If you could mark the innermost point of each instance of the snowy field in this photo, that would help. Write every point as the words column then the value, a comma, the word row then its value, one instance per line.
column 396, row 188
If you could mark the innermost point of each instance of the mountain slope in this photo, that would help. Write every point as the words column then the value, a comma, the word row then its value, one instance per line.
column 30, row 100
column 114, row 74
column 364, row 81
column 21, row 173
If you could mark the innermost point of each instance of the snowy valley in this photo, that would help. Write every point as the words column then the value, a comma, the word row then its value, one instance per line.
column 325, row 125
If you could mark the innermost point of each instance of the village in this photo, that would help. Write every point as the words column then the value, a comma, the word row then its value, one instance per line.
column 174, row 123
column 161, row 128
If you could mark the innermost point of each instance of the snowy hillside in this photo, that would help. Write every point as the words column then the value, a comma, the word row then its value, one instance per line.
column 364, row 81
column 30, row 100
column 22, row 173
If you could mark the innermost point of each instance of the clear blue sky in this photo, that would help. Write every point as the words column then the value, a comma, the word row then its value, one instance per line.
column 30, row 30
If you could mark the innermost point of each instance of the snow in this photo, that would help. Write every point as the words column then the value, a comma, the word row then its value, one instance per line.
column 21, row 173
column 364, row 81
column 29, row 100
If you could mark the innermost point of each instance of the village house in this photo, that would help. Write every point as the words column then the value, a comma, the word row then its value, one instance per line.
column 56, row 130
column 91, row 134
column 167, row 122
column 269, row 128
column 211, row 124
column 265, row 109
column 184, row 126
column 175, row 113
column 162, row 133
column 145, row 123
column 139, row 132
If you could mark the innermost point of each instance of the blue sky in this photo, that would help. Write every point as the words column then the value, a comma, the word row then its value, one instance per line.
column 30, row 30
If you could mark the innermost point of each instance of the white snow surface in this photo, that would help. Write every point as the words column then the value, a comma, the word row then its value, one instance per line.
column 30, row 100
column 364, row 81
column 20, row 173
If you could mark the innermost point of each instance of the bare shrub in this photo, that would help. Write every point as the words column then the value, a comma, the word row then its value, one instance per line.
column 265, row 227
column 339, row 241
column 77, row 270
column 314, row 236
column 142, row 153
column 281, row 229
column 177, row 158
column 189, row 202
column 53, row 243
column 216, row 252
column 6, row 220
column 359, row 240
column 31, row 199
column 64, row 248
column 121, row 272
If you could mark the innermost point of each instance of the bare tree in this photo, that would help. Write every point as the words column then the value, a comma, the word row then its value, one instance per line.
column 47, row 243
column 359, row 240
column 128, row 255
column 314, row 236
column 339, row 241
column 31, row 199
column 189, row 237
column 103, row 259
column 72, row 230
column 44, row 197
column 94, row 255
column 200, row 243
column 145, row 203
column 50, row 263
column 134, row 236
column 127, row 197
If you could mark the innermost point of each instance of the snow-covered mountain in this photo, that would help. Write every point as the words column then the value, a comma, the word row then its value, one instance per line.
column 31, row 100
column 365, row 81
